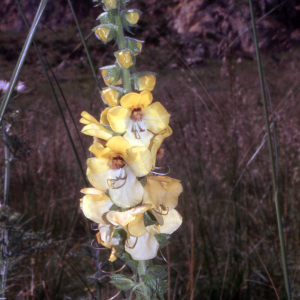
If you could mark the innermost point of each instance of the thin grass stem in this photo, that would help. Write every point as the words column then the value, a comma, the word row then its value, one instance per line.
column 7, row 166
column 274, row 177
column 56, row 100
column 20, row 62
column 85, row 46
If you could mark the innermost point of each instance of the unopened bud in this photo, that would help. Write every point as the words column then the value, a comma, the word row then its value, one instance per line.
column 105, row 33
column 110, row 4
column 132, row 17
column 124, row 58
column 145, row 82
column 111, row 96
column 111, row 75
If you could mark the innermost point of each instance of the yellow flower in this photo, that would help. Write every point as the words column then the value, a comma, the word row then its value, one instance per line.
column 105, row 34
column 110, row 4
column 116, row 167
column 93, row 127
column 124, row 58
column 111, row 79
column 138, row 118
column 162, row 193
column 111, row 96
column 132, row 17
column 145, row 82
column 156, row 142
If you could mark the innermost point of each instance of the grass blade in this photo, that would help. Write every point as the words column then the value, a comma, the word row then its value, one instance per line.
column 57, row 102
column 85, row 47
column 22, row 57
column 7, row 166
column 274, row 175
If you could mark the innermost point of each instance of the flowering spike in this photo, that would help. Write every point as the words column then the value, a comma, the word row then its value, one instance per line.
column 130, row 200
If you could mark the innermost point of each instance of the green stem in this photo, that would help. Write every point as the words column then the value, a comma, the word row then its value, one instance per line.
column 120, row 39
column 142, row 267
column 274, row 179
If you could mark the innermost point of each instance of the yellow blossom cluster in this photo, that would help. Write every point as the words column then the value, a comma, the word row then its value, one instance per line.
column 126, row 190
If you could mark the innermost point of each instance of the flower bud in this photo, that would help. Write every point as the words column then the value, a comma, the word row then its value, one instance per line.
column 111, row 96
column 110, row 4
column 145, row 82
column 111, row 75
column 132, row 17
column 135, row 46
column 105, row 33
column 124, row 58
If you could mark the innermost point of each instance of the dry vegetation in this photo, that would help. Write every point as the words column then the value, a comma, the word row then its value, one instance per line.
column 228, row 246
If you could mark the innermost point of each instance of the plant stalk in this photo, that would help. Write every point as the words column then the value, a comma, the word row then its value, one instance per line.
column 120, row 38
column 142, row 267
column 274, row 179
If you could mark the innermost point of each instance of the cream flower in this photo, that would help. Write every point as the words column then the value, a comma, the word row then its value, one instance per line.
column 95, row 205
column 140, row 244
column 138, row 118
column 116, row 167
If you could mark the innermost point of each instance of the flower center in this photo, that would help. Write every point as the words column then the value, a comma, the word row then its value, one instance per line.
column 117, row 163
column 136, row 114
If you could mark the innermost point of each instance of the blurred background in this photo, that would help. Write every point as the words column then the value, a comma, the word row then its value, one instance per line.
column 207, row 78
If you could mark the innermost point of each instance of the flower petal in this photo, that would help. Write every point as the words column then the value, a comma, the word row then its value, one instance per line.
column 103, row 116
column 87, row 118
column 128, row 192
column 130, row 100
column 156, row 117
column 142, row 248
column 97, row 130
column 172, row 221
column 118, row 144
column 97, row 173
column 91, row 191
column 137, row 227
column 139, row 160
column 155, row 144
column 146, row 99
column 155, row 193
column 119, row 118
column 95, row 206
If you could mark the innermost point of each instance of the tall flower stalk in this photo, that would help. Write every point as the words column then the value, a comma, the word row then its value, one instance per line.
column 133, row 205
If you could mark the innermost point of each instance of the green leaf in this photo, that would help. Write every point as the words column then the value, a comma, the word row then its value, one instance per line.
column 163, row 239
column 162, row 287
column 150, row 282
column 114, row 73
column 149, row 219
column 120, row 233
column 106, row 18
column 122, row 282
column 133, row 264
column 140, row 296
column 157, row 272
